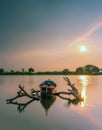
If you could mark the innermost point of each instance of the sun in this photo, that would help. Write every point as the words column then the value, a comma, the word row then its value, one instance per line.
column 83, row 48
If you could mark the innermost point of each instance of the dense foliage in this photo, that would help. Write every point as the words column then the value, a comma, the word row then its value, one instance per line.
column 87, row 69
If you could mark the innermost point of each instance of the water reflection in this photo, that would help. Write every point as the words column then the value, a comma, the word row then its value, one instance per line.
column 21, row 106
column 47, row 102
column 84, row 81
column 59, row 117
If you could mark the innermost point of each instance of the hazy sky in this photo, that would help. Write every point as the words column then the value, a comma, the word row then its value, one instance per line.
column 46, row 34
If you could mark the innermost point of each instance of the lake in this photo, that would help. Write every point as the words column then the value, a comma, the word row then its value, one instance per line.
column 59, row 114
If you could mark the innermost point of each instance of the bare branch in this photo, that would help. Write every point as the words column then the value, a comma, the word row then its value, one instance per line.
column 74, row 90
column 22, row 93
column 69, row 83
column 58, row 93
column 35, row 92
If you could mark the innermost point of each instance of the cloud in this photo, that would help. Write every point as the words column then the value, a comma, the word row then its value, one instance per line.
column 86, row 36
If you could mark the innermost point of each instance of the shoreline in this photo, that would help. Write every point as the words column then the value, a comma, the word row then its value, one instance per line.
column 28, row 74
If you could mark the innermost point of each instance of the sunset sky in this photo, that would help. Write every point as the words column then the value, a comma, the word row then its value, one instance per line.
column 47, row 34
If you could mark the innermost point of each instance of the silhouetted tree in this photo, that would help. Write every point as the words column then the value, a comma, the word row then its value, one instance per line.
column 79, row 70
column 31, row 70
column 23, row 70
column 90, row 69
column 12, row 71
column 65, row 71
column 2, row 70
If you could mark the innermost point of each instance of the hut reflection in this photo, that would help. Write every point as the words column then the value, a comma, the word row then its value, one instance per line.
column 47, row 102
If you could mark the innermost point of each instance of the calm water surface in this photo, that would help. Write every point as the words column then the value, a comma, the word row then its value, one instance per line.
column 59, row 114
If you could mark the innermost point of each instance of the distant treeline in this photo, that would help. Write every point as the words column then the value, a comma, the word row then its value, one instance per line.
column 87, row 69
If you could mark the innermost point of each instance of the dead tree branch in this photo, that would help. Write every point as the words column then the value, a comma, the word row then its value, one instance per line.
column 21, row 93
column 74, row 90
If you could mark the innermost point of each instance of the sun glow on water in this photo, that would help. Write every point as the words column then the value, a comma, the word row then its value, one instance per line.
column 84, row 82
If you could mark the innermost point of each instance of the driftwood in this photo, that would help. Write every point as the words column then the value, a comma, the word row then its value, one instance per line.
column 22, row 93
column 35, row 95
column 73, row 91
